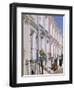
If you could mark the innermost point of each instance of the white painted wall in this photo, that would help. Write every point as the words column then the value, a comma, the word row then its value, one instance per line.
column 4, row 44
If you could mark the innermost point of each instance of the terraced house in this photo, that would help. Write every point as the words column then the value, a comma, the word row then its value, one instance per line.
column 42, row 45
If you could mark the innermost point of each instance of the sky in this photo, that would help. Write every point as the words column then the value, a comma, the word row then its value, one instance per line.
column 59, row 21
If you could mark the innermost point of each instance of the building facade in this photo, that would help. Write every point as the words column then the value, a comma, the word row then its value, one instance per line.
column 40, row 33
column 55, row 42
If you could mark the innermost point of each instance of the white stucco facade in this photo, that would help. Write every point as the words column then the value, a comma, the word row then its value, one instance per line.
column 38, row 35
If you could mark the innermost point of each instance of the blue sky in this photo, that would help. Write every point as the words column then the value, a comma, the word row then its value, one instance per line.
column 59, row 21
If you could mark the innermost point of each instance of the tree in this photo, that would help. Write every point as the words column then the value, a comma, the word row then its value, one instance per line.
column 42, row 57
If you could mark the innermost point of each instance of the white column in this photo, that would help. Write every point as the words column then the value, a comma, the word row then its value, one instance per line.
column 34, row 46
